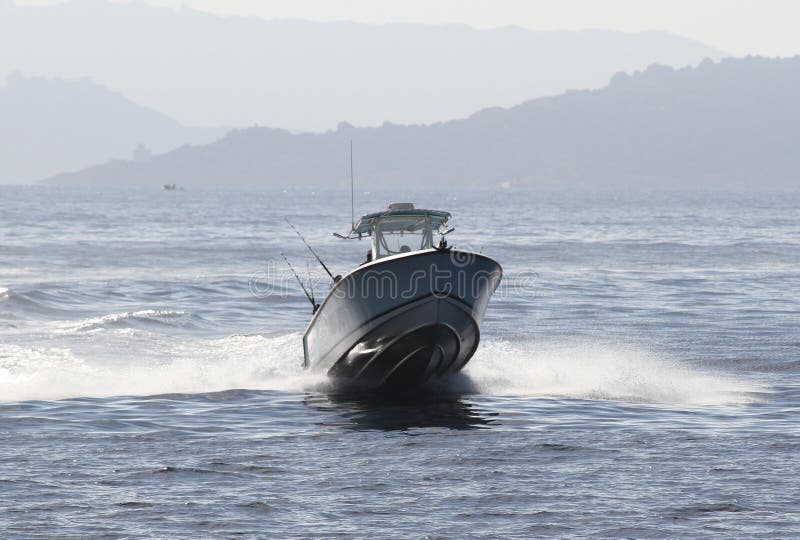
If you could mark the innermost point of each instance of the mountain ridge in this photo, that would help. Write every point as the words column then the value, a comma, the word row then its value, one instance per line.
column 720, row 122
column 51, row 125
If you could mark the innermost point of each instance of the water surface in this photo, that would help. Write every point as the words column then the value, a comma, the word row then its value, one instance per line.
column 638, row 375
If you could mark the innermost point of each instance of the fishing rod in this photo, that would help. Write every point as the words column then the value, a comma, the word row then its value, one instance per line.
column 310, row 249
column 311, row 284
column 302, row 285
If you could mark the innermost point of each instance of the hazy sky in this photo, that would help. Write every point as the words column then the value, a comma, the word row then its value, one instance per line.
column 740, row 27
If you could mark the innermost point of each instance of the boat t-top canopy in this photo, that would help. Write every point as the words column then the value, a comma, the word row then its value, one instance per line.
column 401, row 217
column 400, row 228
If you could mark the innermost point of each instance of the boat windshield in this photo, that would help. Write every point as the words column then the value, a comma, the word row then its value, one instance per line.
column 392, row 235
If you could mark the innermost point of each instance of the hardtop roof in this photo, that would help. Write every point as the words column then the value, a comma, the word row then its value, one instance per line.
column 438, row 219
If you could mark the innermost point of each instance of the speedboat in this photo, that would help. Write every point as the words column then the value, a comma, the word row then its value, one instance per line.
column 409, row 314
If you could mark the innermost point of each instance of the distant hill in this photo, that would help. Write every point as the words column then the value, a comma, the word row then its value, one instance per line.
column 204, row 69
column 51, row 125
column 736, row 121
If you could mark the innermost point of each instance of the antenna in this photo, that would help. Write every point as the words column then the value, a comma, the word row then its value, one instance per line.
column 352, row 192
column 310, row 248
column 302, row 285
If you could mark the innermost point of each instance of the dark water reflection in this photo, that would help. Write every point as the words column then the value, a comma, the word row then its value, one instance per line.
column 421, row 409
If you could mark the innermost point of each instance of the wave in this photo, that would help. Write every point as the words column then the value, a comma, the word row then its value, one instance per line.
column 151, row 319
column 13, row 301
column 47, row 302
column 182, row 365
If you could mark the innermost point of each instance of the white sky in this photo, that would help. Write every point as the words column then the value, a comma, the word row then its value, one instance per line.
column 740, row 27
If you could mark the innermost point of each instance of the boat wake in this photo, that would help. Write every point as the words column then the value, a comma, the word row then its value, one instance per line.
column 169, row 366
column 141, row 363
column 598, row 372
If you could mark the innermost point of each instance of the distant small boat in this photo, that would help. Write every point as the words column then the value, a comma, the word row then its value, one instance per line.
column 170, row 187
column 410, row 313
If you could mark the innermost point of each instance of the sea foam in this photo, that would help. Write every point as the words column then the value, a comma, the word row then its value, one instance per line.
column 599, row 371
column 178, row 366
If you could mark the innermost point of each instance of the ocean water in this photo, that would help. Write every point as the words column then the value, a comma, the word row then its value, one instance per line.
column 638, row 376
